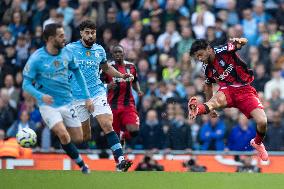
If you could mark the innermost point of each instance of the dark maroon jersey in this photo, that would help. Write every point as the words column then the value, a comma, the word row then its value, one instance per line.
column 121, row 96
column 227, row 68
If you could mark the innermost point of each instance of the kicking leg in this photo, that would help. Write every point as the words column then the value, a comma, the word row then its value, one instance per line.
column 217, row 101
column 60, row 130
column 105, row 121
column 260, row 118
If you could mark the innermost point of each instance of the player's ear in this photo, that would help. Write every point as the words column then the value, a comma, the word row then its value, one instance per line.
column 81, row 33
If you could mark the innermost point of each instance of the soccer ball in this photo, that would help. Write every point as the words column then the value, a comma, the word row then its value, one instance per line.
column 26, row 137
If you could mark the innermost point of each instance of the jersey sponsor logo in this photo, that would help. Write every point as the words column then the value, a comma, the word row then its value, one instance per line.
column 226, row 72
column 230, row 47
column 221, row 49
column 81, row 53
column 116, row 79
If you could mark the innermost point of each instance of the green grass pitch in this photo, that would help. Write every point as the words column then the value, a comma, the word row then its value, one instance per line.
column 24, row 179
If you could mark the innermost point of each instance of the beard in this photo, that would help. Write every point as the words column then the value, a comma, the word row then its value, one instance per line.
column 89, row 42
column 58, row 45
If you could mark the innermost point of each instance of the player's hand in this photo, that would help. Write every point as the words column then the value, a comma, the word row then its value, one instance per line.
column 47, row 99
column 111, row 85
column 140, row 93
column 89, row 105
column 214, row 114
column 128, row 75
column 239, row 40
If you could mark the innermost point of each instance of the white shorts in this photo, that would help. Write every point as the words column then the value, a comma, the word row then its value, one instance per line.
column 52, row 116
column 100, row 104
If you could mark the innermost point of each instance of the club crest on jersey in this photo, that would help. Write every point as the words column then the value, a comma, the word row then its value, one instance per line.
column 222, row 63
column 88, row 53
column 230, row 47
column 56, row 63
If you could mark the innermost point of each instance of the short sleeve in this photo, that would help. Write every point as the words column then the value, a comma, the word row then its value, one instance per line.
column 103, row 55
column 229, row 47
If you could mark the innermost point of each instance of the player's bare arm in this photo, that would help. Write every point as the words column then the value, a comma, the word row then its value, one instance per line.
column 239, row 42
column 136, row 87
column 110, row 70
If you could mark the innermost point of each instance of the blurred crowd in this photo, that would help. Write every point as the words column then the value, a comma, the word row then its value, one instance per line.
column 156, row 36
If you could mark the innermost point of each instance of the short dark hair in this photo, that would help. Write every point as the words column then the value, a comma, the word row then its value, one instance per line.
column 87, row 24
column 199, row 44
column 117, row 46
column 50, row 30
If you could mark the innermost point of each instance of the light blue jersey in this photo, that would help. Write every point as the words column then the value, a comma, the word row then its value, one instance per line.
column 89, row 61
column 49, row 74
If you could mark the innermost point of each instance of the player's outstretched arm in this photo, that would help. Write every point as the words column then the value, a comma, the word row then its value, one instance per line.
column 110, row 70
column 239, row 42
column 136, row 87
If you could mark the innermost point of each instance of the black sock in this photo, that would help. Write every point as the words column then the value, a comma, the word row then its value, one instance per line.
column 72, row 151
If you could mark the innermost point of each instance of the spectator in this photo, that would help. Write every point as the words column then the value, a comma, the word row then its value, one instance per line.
column 52, row 17
column 123, row 16
column 185, row 43
column 179, row 134
column 261, row 77
column 6, row 115
column 151, row 131
column 249, row 24
column 212, row 135
column 12, row 92
column 277, row 82
column 39, row 15
column 23, row 122
column 16, row 27
column 274, row 139
column 171, row 35
column 5, row 69
column 241, row 134
column 112, row 24
column 68, row 12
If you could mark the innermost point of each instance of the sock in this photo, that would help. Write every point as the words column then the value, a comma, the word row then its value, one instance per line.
column 73, row 153
column 115, row 146
column 202, row 109
column 259, row 137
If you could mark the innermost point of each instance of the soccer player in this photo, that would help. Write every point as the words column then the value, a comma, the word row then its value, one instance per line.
column 46, row 78
column 120, row 95
column 222, row 65
column 91, row 57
